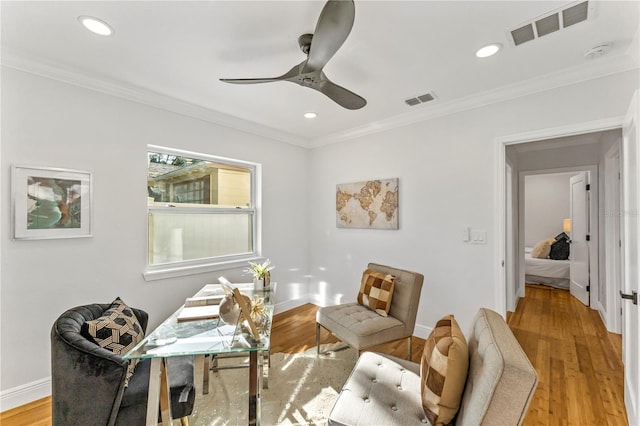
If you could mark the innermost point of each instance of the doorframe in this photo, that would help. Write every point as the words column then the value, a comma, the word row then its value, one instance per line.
column 502, row 142
column 511, row 242
column 613, row 228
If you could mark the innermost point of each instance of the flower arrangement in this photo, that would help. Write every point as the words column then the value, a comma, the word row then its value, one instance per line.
column 259, row 270
column 258, row 310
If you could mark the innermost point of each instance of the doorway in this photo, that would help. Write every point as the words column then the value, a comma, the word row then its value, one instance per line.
column 550, row 213
column 561, row 150
column 627, row 133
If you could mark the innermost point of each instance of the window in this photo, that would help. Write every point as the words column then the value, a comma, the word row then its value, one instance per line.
column 201, row 210
column 194, row 191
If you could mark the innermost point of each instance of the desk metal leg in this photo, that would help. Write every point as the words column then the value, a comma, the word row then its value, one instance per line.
column 266, row 364
column 204, row 359
column 159, row 394
column 254, row 389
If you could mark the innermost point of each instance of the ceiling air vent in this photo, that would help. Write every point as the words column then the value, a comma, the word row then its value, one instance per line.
column 427, row 97
column 574, row 14
column 523, row 34
column 548, row 25
column 551, row 22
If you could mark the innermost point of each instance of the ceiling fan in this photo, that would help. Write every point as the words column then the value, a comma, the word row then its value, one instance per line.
column 333, row 27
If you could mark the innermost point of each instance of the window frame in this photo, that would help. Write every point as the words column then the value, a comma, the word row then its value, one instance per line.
column 198, row 266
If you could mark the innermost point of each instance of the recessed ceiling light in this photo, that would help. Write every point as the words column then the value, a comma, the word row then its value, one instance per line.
column 95, row 25
column 310, row 115
column 489, row 50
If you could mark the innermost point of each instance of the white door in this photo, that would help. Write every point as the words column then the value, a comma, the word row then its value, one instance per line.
column 579, row 255
column 631, row 258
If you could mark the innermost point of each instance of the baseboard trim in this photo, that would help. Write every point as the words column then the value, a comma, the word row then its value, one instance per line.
column 290, row 304
column 604, row 317
column 422, row 331
column 24, row 394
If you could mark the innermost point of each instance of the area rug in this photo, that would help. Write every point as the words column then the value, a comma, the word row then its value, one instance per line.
column 302, row 389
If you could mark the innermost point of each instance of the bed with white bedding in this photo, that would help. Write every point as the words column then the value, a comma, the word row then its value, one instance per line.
column 554, row 273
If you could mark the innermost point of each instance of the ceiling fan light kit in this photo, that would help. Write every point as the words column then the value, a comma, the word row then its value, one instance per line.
column 333, row 27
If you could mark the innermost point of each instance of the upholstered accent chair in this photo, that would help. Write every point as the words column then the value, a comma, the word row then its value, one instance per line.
column 361, row 327
column 88, row 382
column 500, row 383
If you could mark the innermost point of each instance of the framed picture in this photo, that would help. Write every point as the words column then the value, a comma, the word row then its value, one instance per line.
column 50, row 203
column 371, row 204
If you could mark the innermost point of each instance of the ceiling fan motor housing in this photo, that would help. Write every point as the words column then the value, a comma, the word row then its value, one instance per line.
column 332, row 29
column 304, row 41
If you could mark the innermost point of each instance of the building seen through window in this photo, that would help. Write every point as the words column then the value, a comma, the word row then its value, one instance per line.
column 201, row 209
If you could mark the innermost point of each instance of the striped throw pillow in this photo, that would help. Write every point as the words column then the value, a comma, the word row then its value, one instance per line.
column 443, row 371
column 376, row 291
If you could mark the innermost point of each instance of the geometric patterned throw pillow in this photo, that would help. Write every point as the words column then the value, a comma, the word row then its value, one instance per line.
column 443, row 371
column 117, row 330
column 376, row 291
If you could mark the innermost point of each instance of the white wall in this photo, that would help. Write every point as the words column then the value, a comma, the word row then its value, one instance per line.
column 546, row 205
column 448, row 172
column 47, row 123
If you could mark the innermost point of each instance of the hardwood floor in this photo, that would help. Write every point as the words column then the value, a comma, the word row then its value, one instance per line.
column 36, row 413
column 295, row 331
column 577, row 360
column 579, row 363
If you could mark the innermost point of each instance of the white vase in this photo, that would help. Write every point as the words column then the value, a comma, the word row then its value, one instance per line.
column 259, row 284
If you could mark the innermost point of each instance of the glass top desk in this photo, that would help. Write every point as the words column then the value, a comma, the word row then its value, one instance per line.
column 202, row 338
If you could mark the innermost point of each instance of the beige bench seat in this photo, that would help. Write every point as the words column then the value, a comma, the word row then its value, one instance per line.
column 359, row 326
column 385, row 390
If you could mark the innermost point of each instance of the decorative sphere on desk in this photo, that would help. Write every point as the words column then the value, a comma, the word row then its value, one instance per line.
column 230, row 310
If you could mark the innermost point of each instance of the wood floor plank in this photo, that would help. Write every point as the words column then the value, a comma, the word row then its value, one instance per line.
column 36, row 413
column 578, row 362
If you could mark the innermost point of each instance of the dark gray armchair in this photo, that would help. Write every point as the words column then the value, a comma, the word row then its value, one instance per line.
column 88, row 381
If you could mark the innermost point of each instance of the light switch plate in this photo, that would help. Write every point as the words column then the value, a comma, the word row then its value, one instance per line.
column 466, row 234
column 478, row 236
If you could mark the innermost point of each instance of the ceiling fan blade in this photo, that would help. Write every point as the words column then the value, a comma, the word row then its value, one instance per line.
column 340, row 95
column 289, row 74
column 332, row 29
column 250, row 80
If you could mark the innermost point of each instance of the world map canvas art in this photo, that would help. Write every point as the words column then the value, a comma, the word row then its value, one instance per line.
column 371, row 204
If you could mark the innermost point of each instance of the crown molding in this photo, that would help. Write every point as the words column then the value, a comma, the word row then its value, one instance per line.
column 76, row 77
column 596, row 69
column 567, row 77
column 562, row 131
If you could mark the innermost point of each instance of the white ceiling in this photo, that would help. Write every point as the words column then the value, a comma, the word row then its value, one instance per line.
column 172, row 54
